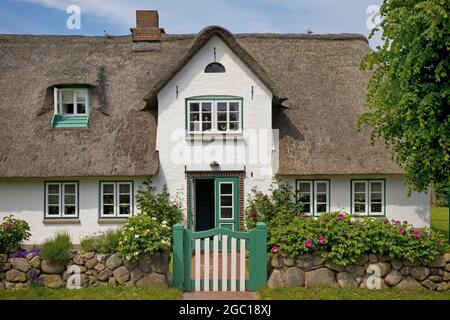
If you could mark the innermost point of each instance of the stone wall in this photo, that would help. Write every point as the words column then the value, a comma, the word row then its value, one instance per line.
column 95, row 270
column 311, row 271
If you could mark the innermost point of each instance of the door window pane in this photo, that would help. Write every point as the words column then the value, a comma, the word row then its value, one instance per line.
column 226, row 213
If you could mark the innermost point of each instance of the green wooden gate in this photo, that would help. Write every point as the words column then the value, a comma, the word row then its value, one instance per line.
column 225, row 243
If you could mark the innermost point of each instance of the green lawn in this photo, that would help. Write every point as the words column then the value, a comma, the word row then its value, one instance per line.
column 350, row 294
column 439, row 219
column 103, row 293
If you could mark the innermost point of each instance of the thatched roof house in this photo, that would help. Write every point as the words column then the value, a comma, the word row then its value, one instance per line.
column 317, row 76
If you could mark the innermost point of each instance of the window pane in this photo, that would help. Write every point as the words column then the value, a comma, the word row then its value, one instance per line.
column 67, row 96
column 234, row 116
column 124, row 188
column 81, row 108
column 108, row 210
column 226, row 188
column 304, row 187
column 195, row 107
column 222, row 126
column 375, row 186
column 321, row 197
column 81, row 95
column 108, row 188
column 53, row 210
column 108, row 199
column 124, row 199
column 375, row 208
column 234, row 106
column 360, row 197
column 321, row 207
column 234, row 126
column 69, row 210
column 222, row 106
column 226, row 201
column 222, row 116
column 375, row 197
column 206, row 106
column 207, row 117
column 69, row 199
column 69, row 188
column 195, row 116
column 360, row 187
column 207, row 126
column 53, row 199
column 124, row 210
column 195, row 127
column 306, row 207
column 53, row 188
column 304, row 197
column 360, row 208
column 321, row 187
column 226, row 213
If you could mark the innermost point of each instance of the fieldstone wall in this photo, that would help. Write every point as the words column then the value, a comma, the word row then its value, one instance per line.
column 311, row 271
column 95, row 270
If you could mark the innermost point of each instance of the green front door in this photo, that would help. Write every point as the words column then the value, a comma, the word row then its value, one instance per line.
column 227, row 203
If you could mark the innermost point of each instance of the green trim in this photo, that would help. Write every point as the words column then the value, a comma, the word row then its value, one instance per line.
column 48, row 219
column 116, row 217
column 70, row 122
column 235, row 184
column 74, row 86
column 312, row 192
column 384, row 198
column 213, row 98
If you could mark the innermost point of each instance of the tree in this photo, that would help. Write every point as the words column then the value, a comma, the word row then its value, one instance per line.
column 409, row 91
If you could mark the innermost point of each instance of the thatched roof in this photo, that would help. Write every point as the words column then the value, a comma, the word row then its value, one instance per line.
column 318, row 74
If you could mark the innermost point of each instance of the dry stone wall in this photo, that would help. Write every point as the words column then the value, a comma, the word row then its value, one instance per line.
column 311, row 271
column 94, row 269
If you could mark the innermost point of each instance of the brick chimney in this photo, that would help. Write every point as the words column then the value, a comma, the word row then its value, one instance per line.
column 147, row 26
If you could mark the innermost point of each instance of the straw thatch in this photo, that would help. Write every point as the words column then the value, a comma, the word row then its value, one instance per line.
column 318, row 75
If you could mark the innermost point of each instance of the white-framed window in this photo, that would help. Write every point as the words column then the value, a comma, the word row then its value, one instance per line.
column 314, row 195
column 321, row 197
column 61, row 199
column 116, row 199
column 226, row 205
column 71, row 101
column 214, row 116
column 368, row 197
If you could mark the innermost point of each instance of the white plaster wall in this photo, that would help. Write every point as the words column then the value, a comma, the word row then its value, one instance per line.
column 174, row 148
column 25, row 200
column 414, row 209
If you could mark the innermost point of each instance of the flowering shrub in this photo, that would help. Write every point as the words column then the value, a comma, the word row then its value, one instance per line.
column 264, row 208
column 342, row 239
column 143, row 234
column 22, row 253
column 12, row 234
column 159, row 206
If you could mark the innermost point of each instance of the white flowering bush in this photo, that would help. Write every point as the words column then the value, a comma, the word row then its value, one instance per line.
column 143, row 234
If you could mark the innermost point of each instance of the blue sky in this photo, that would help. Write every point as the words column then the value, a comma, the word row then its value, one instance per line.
column 189, row 16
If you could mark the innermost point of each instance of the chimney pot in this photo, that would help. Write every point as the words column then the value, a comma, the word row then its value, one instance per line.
column 147, row 19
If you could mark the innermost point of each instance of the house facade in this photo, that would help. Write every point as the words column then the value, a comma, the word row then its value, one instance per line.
column 86, row 120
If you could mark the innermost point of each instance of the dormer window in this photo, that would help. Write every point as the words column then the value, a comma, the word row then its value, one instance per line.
column 71, row 108
column 215, row 67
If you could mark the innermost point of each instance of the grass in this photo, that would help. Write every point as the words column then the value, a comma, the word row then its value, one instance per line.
column 350, row 294
column 99, row 293
column 439, row 220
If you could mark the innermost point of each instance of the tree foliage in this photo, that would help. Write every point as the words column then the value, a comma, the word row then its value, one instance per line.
column 409, row 91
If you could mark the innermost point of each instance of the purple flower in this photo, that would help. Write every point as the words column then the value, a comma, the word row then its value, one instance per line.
column 386, row 221
column 321, row 240
column 274, row 249
column 405, row 222
column 401, row 230
column 308, row 243
column 418, row 235
column 397, row 222
column 341, row 216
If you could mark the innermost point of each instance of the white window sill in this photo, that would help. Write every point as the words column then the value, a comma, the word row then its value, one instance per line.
column 113, row 220
column 61, row 221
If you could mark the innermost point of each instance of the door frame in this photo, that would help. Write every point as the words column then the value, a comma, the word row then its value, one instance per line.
column 220, row 222
column 239, row 196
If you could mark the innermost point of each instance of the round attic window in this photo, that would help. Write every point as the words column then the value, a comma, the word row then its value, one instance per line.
column 215, row 67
